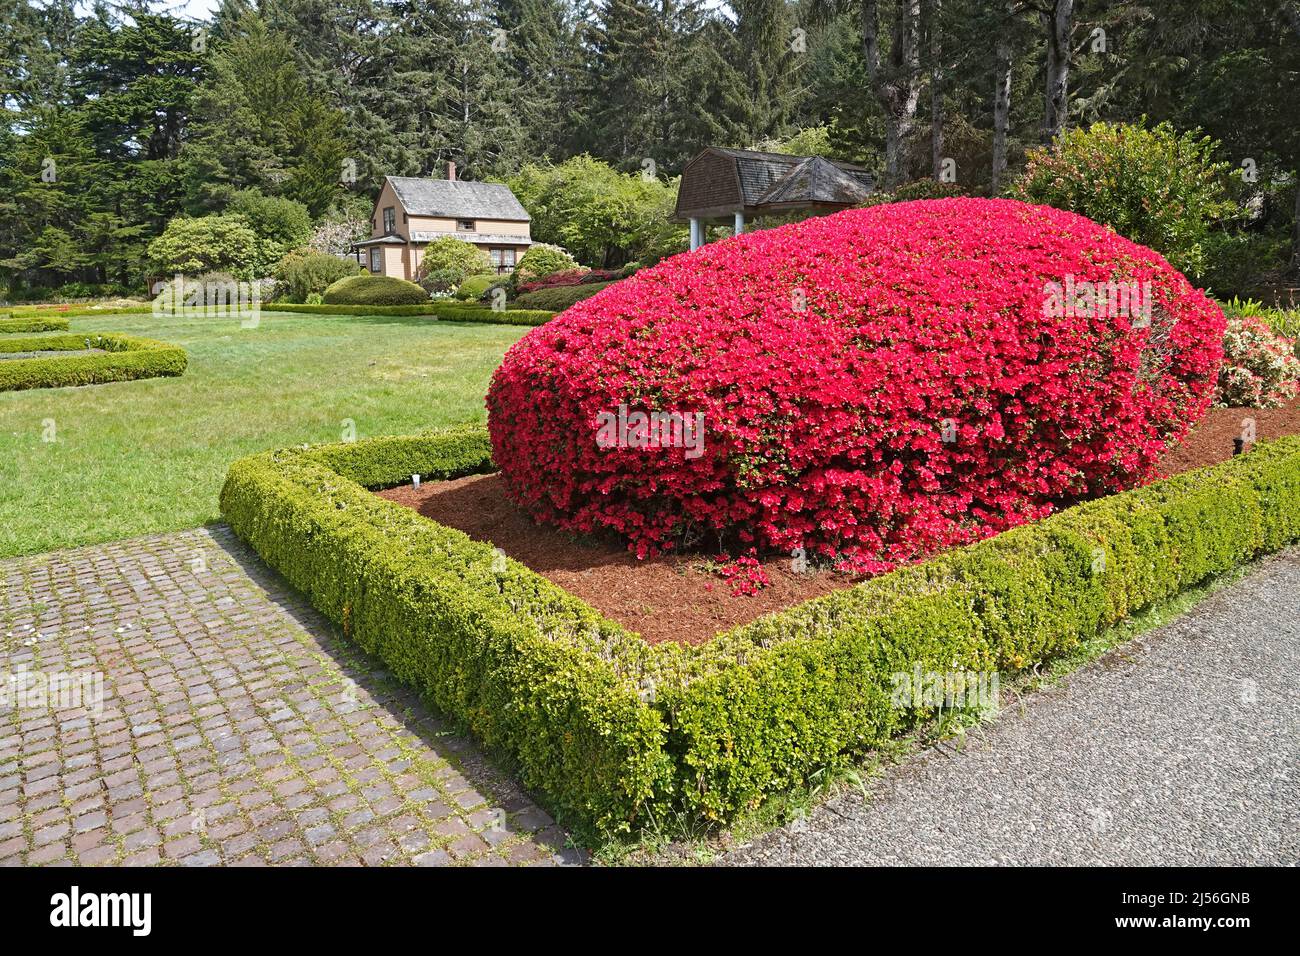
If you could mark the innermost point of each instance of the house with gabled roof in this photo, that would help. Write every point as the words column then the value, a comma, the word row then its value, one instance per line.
column 413, row 211
column 741, row 184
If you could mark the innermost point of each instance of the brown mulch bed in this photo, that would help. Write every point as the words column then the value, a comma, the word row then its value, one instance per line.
column 676, row 597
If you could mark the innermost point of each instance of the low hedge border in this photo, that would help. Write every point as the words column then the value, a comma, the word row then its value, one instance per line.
column 77, row 310
column 125, row 358
column 47, row 324
column 616, row 734
column 440, row 309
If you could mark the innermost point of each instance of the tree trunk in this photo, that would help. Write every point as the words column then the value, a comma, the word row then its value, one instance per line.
column 1059, row 24
column 1295, row 245
column 1001, row 110
column 936, row 88
column 896, row 85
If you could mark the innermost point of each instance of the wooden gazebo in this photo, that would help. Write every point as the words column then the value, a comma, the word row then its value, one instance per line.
column 740, row 184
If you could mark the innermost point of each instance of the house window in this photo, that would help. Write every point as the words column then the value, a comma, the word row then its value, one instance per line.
column 390, row 220
column 503, row 260
column 464, row 225
column 375, row 257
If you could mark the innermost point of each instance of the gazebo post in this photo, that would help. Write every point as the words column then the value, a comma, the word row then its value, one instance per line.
column 697, row 234
column 740, row 222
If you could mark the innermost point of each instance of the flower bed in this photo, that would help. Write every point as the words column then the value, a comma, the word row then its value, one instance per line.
column 616, row 734
column 872, row 386
column 122, row 358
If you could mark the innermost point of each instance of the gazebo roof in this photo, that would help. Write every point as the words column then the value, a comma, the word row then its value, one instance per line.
column 721, row 181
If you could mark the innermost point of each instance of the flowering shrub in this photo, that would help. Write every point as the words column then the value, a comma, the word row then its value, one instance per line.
column 1260, row 368
column 745, row 573
column 554, row 280
column 570, row 278
column 875, row 384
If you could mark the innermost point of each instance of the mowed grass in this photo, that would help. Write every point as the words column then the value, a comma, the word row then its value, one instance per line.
column 130, row 458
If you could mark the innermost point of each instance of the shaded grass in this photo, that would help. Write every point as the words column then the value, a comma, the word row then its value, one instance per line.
column 133, row 458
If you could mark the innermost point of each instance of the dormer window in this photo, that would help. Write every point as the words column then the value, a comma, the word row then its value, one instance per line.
column 390, row 220
column 465, row 225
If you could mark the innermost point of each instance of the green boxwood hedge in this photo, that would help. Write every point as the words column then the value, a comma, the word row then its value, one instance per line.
column 53, row 323
column 32, row 312
column 441, row 308
column 560, row 297
column 617, row 734
column 125, row 358
column 470, row 313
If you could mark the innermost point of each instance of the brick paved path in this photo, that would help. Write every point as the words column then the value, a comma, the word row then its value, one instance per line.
column 234, row 728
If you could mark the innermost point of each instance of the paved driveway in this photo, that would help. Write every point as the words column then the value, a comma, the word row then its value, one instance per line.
column 1181, row 747
column 206, row 715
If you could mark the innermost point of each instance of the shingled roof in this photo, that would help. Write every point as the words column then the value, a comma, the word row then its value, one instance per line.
column 721, row 181
column 457, row 199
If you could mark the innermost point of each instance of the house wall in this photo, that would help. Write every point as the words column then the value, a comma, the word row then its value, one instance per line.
column 387, row 197
column 404, row 261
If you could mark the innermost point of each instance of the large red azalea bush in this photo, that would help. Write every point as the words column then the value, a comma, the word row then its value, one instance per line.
column 874, row 385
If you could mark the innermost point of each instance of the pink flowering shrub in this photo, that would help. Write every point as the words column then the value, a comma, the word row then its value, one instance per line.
column 874, row 385
column 1260, row 368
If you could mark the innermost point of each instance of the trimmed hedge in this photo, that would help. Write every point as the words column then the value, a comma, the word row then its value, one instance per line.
column 374, row 290
column 34, row 324
column 441, row 308
column 616, row 733
column 559, row 298
column 502, row 317
column 74, row 310
column 126, row 358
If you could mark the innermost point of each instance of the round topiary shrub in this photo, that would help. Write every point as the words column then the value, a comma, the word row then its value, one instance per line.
column 454, row 258
column 543, row 259
column 374, row 290
column 868, row 386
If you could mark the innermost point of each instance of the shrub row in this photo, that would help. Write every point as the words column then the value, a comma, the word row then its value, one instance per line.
column 52, row 323
column 559, row 298
column 503, row 317
column 615, row 733
column 125, row 358
column 88, row 310
column 442, row 309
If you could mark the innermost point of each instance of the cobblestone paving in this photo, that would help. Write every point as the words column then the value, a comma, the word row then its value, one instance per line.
column 234, row 726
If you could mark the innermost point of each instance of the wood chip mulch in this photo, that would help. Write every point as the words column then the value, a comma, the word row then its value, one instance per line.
column 677, row 597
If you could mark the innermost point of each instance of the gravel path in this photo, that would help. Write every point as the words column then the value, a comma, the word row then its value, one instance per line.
column 1179, row 748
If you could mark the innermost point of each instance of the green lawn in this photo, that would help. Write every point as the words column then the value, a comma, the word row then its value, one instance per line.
column 137, row 457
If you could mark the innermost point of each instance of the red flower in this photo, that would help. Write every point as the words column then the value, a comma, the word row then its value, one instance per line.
column 874, row 385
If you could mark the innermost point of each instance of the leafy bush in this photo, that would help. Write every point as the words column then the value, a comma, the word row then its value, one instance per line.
column 602, row 216
column 1284, row 322
column 476, row 287
column 861, row 399
column 303, row 273
column 543, row 259
column 124, row 358
column 374, row 290
column 208, row 244
column 559, row 298
column 280, row 224
column 618, row 735
column 451, row 261
column 1260, row 368
column 1155, row 186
